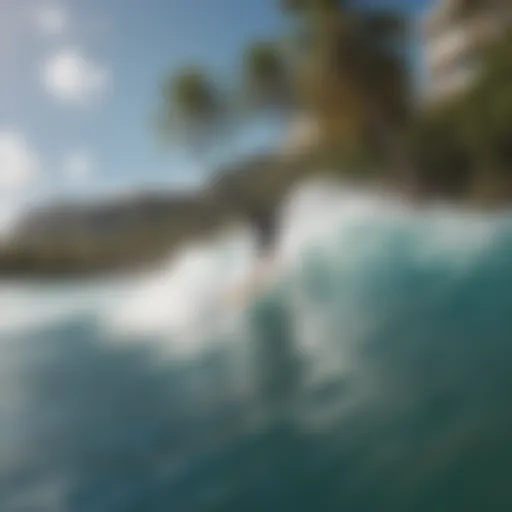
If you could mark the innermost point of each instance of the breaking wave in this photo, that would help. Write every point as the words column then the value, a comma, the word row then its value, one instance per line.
column 371, row 372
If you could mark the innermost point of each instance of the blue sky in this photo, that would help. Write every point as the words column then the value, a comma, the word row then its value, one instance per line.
column 80, row 80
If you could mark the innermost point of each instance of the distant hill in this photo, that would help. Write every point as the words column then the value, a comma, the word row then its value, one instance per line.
column 75, row 238
column 60, row 222
column 72, row 238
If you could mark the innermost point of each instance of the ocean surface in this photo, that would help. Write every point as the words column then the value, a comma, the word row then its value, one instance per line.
column 372, row 372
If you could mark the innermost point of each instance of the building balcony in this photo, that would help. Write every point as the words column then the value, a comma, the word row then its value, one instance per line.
column 448, row 46
column 463, row 40
column 455, row 82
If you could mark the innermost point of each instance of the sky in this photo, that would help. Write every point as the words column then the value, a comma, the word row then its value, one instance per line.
column 79, row 83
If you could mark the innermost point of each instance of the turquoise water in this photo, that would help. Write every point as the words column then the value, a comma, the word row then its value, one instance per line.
column 373, row 374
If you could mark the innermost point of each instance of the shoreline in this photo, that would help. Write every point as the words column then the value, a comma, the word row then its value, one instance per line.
column 27, row 266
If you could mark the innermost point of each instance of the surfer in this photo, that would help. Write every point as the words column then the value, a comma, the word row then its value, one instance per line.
column 265, row 231
column 264, row 225
column 260, row 217
column 263, row 222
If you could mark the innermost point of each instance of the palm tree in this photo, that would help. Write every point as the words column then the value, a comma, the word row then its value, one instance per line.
column 352, row 74
column 300, row 6
column 470, row 7
column 349, row 74
column 382, row 81
column 191, row 108
column 487, row 107
column 266, row 76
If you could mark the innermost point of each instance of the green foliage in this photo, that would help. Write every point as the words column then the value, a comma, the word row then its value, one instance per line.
column 299, row 6
column 385, row 26
column 194, row 94
column 440, row 153
column 143, row 242
column 466, row 8
column 345, row 71
column 354, row 76
column 266, row 75
column 470, row 137
column 487, row 116
column 192, row 108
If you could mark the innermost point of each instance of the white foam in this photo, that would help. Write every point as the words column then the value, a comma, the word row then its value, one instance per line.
column 186, row 293
column 349, row 226
column 25, row 309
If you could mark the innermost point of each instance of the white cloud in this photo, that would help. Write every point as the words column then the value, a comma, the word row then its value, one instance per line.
column 71, row 77
column 51, row 20
column 77, row 165
column 18, row 163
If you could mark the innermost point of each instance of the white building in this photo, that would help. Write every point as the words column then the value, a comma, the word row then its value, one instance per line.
column 452, row 40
